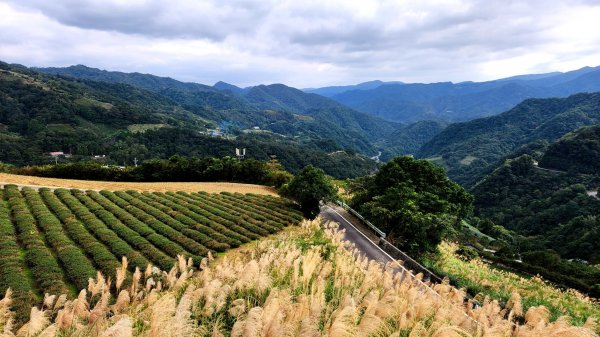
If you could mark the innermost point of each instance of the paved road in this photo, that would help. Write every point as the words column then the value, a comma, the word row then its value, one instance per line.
column 362, row 242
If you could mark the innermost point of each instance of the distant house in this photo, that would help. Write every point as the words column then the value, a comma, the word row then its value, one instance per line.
column 59, row 154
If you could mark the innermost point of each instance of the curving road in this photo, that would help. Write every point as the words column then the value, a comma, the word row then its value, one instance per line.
column 367, row 246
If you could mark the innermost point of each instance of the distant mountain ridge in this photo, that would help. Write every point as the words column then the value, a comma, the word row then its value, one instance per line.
column 277, row 108
column 468, row 149
column 119, row 123
column 334, row 90
column 455, row 102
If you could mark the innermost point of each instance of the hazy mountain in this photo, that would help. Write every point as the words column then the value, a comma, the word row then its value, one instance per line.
column 334, row 90
column 453, row 102
column 468, row 149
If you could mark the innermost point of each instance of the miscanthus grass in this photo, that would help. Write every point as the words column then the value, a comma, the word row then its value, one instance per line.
column 305, row 281
column 499, row 284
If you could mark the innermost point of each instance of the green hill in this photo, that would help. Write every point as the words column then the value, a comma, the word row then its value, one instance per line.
column 276, row 108
column 467, row 150
column 553, row 206
column 41, row 113
column 578, row 151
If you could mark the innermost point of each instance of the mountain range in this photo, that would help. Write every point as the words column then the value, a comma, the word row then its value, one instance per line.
column 144, row 116
column 470, row 149
column 276, row 108
column 456, row 102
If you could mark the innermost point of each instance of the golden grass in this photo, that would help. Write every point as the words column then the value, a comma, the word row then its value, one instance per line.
column 208, row 187
column 307, row 282
column 501, row 285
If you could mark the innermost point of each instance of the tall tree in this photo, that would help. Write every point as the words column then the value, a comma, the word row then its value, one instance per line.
column 308, row 188
column 413, row 201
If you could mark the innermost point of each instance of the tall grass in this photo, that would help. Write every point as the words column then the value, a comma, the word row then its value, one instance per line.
column 305, row 281
column 480, row 277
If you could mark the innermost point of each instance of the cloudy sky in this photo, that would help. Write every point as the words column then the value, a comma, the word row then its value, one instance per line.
column 305, row 43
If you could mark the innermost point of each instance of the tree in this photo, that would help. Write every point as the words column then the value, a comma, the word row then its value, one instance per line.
column 413, row 201
column 308, row 188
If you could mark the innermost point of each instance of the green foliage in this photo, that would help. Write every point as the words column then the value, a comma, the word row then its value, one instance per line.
column 467, row 253
column 413, row 202
column 552, row 206
column 578, row 152
column 75, row 264
column 485, row 141
column 309, row 187
column 12, row 265
column 43, row 113
column 46, row 270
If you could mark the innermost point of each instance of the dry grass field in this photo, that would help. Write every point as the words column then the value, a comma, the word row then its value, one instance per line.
column 31, row 181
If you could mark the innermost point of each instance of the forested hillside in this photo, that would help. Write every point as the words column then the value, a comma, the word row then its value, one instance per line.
column 556, row 207
column 42, row 113
column 467, row 150
column 276, row 108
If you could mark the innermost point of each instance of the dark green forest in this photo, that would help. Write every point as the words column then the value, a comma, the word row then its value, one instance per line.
column 552, row 206
column 552, row 212
column 45, row 113
column 469, row 150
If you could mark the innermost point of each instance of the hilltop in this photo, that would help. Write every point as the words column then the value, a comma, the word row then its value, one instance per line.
column 82, row 118
column 471, row 149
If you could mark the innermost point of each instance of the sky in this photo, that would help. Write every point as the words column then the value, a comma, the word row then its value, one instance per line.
column 305, row 43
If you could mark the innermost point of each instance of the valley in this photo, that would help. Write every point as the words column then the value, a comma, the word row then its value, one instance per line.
column 172, row 186
column 299, row 168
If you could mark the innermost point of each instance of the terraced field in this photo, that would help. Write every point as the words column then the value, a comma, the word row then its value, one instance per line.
column 54, row 241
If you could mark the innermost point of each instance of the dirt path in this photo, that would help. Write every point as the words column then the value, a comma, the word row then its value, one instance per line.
column 36, row 182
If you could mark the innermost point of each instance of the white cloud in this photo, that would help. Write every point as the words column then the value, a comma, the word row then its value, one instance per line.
column 304, row 43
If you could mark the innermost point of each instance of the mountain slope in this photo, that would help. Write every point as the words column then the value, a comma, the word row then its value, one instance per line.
column 275, row 108
column 468, row 149
column 577, row 151
column 453, row 102
column 281, row 97
column 554, row 204
column 409, row 139
column 42, row 113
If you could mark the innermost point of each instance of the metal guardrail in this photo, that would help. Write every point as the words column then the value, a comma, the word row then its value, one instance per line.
column 408, row 262
column 365, row 221
column 409, row 265
column 392, row 250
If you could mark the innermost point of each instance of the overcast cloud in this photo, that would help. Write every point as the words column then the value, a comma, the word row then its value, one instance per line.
column 305, row 43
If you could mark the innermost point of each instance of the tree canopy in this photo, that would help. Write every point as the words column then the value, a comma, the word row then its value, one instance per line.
column 308, row 188
column 413, row 201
